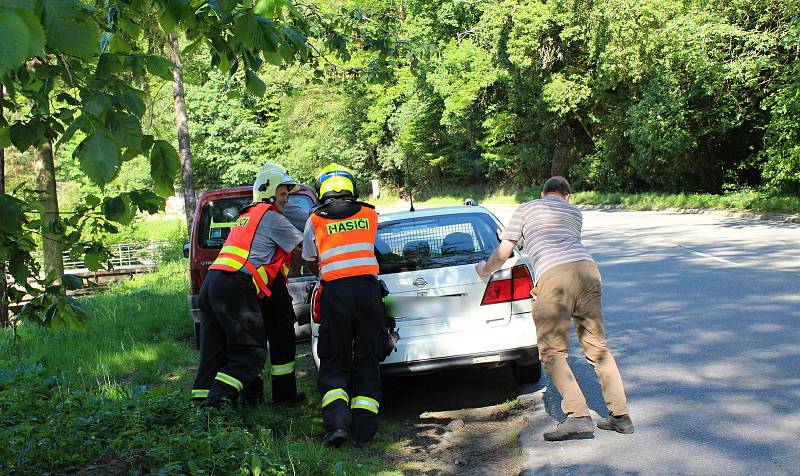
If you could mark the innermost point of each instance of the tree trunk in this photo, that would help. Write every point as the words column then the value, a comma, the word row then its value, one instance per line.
column 3, row 283
column 46, row 185
column 184, row 148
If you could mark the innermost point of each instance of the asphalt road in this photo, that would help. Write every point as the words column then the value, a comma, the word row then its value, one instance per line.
column 703, row 316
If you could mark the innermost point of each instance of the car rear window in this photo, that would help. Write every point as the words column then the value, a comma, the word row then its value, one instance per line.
column 434, row 242
column 217, row 219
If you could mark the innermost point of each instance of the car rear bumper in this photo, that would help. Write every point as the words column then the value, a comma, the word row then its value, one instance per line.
column 522, row 354
column 484, row 346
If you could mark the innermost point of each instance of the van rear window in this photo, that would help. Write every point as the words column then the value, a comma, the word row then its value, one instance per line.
column 434, row 242
column 217, row 218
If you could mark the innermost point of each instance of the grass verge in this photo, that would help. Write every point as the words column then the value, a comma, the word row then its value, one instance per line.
column 113, row 399
column 746, row 201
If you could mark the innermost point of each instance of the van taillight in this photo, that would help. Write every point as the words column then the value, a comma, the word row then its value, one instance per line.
column 195, row 281
column 315, row 304
column 508, row 285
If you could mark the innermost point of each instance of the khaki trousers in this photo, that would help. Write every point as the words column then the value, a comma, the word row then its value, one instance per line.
column 573, row 290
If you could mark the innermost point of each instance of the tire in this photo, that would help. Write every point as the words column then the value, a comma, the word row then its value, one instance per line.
column 526, row 373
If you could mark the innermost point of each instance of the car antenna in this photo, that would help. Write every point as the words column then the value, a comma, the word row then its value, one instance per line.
column 410, row 185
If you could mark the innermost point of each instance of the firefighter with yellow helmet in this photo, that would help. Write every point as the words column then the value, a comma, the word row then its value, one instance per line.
column 340, row 235
column 244, row 301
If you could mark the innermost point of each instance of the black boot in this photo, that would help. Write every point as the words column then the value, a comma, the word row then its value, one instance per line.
column 253, row 393
column 299, row 397
column 221, row 394
column 335, row 438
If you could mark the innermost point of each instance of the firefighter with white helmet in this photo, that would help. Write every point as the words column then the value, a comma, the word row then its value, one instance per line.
column 244, row 301
column 340, row 234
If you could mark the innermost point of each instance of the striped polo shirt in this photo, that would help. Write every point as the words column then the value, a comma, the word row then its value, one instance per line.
column 549, row 229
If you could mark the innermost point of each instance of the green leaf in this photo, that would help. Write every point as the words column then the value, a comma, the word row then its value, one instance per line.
column 11, row 209
column 126, row 129
column 268, row 8
column 164, row 166
column 255, row 465
column 70, row 28
column 91, row 201
column 174, row 12
column 115, row 209
column 286, row 51
column 248, row 31
column 24, row 136
column 133, row 102
column 71, row 281
column 99, row 157
column 71, row 130
column 18, row 267
column 36, row 31
column 160, row 67
column 108, row 65
column 97, row 104
column 297, row 39
column 5, row 137
column 147, row 201
column 273, row 58
column 15, row 37
column 254, row 84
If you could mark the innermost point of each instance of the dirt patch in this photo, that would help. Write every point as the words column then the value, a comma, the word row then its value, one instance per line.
column 464, row 422
column 474, row 441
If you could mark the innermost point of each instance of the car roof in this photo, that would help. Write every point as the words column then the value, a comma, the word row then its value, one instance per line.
column 428, row 212
column 247, row 190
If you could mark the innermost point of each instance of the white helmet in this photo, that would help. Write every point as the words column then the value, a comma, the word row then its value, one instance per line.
column 269, row 178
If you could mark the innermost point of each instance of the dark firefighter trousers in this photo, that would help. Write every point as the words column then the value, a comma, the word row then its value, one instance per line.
column 352, row 335
column 233, row 337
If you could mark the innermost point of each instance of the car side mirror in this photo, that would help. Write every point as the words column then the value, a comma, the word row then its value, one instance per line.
column 186, row 250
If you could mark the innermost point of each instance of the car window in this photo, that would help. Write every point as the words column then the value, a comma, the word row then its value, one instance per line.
column 434, row 242
column 217, row 218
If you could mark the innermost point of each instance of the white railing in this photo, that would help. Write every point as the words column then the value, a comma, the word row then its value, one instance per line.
column 122, row 254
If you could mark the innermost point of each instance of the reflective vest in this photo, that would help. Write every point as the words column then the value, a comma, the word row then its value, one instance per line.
column 234, row 253
column 346, row 246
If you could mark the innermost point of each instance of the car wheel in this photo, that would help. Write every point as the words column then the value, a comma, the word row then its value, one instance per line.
column 526, row 373
column 196, row 335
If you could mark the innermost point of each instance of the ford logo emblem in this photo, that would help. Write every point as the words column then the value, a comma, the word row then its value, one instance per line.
column 419, row 282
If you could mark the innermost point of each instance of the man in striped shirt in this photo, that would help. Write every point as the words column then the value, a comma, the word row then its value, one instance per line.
column 567, row 285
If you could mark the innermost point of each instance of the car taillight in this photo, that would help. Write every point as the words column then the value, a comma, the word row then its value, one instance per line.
column 195, row 281
column 315, row 304
column 508, row 285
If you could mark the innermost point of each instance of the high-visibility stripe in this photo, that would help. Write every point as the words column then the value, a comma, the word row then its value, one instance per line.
column 283, row 369
column 225, row 378
column 285, row 270
column 199, row 393
column 365, row 403
column 263, row 273
column 333, row 395
column 348, row 263
column 223, row 225
column 339, row 250
column 235, row 250
column 228, row 262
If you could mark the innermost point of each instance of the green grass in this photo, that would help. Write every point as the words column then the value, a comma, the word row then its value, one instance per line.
column 746, row 201
column 117, row 391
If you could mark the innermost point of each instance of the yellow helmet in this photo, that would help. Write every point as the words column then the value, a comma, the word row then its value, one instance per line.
column 269, row 178
column 336, row 180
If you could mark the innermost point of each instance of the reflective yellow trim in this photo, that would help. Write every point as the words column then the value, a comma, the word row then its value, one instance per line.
column 263, row 273
column 333, row 395
column 283, row 369
column 228, row 262
column 225, row 378
column 199, row 393
column 235, row 250
column 222, row 225
column 285, row 270
column 365, row 403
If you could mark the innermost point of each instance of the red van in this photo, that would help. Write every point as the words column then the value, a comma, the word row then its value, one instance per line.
column 216, row 212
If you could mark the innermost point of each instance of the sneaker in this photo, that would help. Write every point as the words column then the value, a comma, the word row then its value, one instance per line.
column 335, row 438
column 620, row 424
column 572, row 428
